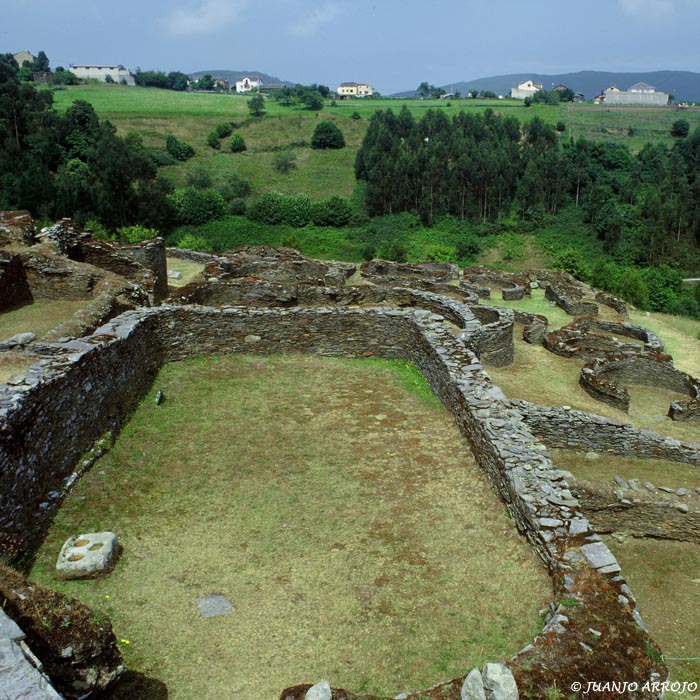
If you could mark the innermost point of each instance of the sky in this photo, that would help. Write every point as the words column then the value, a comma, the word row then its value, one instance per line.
column 393, row 45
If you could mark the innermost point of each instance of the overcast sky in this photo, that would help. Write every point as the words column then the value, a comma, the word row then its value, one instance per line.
column 391, row 44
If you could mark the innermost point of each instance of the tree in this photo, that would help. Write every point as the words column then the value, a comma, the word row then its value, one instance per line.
column 237, row 144
column 256, row 105
column 41, row 63
column 312, row 100
column 424, row 90
column 206, row 82
column 327, row 135
column 680, row 128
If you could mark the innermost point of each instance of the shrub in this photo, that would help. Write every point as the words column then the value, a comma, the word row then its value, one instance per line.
column 198, row 178
column 191, row 242
column 570, row 261
column 334, row 211
column 392, row 250
column 237, row 144
column 355, row 115
column 561, row 127
column 193, row 206
column 439, row 252
column 284, row 161
column 680, row 128
column 178, row 149
column 275, row 208
column 136, row 234
column 223, row 130
column 213, row 140
column 327, row 135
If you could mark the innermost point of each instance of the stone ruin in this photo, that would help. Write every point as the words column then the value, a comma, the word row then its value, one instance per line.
column 260, row 300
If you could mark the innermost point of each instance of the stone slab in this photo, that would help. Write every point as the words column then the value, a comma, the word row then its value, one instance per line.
column 87, row 555
column 9, row 629
column 19, row 680
column 213, row 605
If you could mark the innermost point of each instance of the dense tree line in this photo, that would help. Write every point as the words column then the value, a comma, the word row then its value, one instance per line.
column 73, row 164
column 645, row 207
column 175, row 80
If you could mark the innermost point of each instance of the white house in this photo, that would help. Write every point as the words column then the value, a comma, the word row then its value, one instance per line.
column 118, row 74
column 638, row 94
column 247, row 84
column 525, row 89
column 355, row 90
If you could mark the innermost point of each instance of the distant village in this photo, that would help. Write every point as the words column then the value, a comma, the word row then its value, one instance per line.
column 637, row 94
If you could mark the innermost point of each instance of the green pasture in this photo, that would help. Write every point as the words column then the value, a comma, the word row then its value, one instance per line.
column 155, row 113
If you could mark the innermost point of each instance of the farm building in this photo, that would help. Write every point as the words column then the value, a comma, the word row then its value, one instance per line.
column 355, row 90
column 527, row 88
column 247, row 84
column 118, row 73
column 638, row 94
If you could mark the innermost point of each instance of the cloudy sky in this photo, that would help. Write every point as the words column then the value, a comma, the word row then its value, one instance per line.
column 391, row 44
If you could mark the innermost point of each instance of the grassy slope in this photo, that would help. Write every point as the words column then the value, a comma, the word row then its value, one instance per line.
column 156, row 113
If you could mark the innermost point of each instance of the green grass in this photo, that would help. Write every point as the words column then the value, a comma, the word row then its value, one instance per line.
column 155, row 113
column 188, row 270
column 39, row 317
column 337, row 507
column 665, row 578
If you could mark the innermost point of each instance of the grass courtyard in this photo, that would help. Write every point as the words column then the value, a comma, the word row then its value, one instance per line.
column 333, row 502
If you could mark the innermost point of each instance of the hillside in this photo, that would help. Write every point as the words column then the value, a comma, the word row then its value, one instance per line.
column 685, row 85
column 233, row 75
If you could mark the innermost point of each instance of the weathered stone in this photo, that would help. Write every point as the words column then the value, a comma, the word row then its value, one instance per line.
column 499, row 683
column 599, row 556
column 473, row 686
column 87, row 555
column 213, row 605
column 19, row 680
column 9, row 628
column 320, row 691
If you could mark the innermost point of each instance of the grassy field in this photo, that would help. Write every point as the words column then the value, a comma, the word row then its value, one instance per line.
column 334, row 504
column 155, row 113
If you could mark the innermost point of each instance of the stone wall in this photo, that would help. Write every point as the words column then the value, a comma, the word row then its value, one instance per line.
column 481, row 280
column 496, row 346
column 56, row 410
column 604, row 380
column 570, row 299
column 53, row 415
column 151, row 255
column 639, row 512
column 577, row 430
column 16, row 227
column 14, row 288
column 591, row 338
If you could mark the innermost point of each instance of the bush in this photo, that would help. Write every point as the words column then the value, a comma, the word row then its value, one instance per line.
column 192, row 242
column 327, row 135
column 439, row 252
column 355, row 115
column 570, row 261
column 334, row 211
column 223, row 130
column 392, row 250
column 284, row 161
column 198, row 178
column 213, row 140
column 237, row 144
column 680, row 128
column 136, row 234
column 178, row 149
column 275, row 208
column 193, row 206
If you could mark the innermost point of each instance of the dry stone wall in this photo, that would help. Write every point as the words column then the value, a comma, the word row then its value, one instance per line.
column 640, row 512
column 567, row 428
column 14, row 288
column 49, row 417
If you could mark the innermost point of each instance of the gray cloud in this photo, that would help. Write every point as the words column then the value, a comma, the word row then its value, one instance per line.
column 208, row 17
